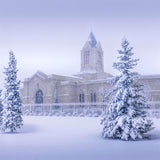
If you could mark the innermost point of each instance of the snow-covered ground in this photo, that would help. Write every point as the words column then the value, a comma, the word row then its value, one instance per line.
column 73, row 138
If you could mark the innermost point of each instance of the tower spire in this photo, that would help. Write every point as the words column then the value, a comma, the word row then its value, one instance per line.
column 92, row 40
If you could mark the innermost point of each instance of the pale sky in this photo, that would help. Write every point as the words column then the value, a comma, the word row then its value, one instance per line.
column 48, row 35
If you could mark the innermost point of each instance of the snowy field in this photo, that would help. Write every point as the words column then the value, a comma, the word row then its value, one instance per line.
column 73, row 138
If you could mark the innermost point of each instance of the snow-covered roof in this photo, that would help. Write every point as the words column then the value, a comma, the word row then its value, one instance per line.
column 107, row 80
column 149, row 76
column 87, row 71
column 63, row 76
column 42, row 75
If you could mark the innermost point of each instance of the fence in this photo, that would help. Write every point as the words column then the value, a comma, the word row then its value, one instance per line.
column 73, row 109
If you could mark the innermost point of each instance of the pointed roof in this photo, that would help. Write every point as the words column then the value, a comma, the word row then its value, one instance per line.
column 92, row 40
column 37, row 75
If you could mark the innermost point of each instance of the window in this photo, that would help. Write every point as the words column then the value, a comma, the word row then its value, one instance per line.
column 99, row 60
column 39, row 96
column 55, row 97
column 81, row 98
column 86, row 60
column 93, row 97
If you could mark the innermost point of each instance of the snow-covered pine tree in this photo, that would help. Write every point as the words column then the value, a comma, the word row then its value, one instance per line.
column 126, row 118
column 1, row 107
column 12, row 114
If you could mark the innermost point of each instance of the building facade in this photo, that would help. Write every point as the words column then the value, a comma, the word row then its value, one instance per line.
column 89, row 85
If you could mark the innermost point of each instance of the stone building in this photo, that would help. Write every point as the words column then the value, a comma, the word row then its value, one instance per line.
column 88, row 85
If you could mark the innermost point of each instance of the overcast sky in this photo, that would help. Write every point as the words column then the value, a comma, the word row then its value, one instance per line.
column 48, row 35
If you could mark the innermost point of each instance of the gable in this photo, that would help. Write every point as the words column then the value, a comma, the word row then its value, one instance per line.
column 38, row 76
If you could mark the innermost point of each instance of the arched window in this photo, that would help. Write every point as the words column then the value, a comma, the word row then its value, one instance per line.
column 86, row 60
column 81, row 98
column 39, row 96
column 99, row 60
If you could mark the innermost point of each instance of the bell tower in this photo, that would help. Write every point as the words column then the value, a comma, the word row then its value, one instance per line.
column 92, row 56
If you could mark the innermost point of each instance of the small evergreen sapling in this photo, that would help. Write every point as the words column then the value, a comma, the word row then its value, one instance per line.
column 12, row 114
column 126, row 118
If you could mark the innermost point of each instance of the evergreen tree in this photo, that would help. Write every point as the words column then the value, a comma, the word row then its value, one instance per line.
column 126, row 118
column 12, row 114
column 1, row 107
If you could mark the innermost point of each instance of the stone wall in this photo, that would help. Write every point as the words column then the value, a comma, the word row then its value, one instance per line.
column 68, row 89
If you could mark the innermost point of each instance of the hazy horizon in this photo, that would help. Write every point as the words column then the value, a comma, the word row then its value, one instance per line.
column 48, row 35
